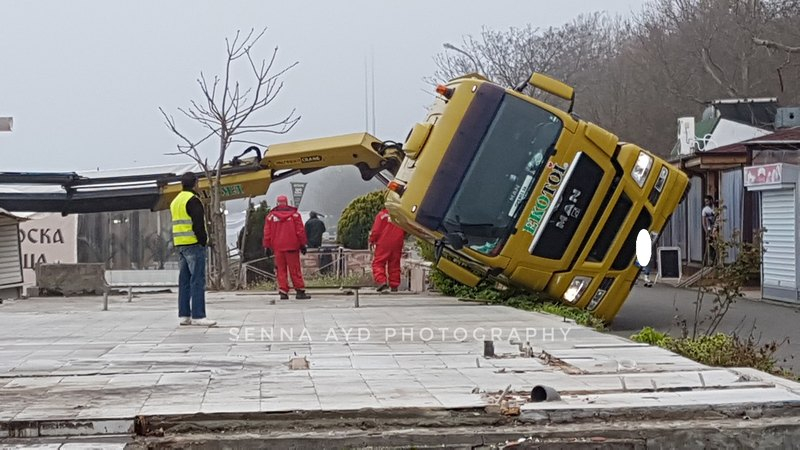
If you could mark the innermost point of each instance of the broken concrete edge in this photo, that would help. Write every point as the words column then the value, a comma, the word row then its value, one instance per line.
column 625, row 424
column 65, row 427
column 155, row 425
column 748, row 373
column 745, row 411
column 369, row 418
column 633, row 434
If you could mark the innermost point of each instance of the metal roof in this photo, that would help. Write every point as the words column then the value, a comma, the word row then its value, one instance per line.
column 5, row 213
column 787, row 136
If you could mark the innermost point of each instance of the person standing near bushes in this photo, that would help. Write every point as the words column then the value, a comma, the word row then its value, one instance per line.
column 285, row 234
column 315, row 228
column 386, row 239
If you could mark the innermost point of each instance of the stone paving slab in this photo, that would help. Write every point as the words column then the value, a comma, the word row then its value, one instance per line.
column 65, row 359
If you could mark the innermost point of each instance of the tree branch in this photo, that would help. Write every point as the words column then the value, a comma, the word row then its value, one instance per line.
column 711, row 68
column 775, row 45
column 242, row 141
column 190, row 148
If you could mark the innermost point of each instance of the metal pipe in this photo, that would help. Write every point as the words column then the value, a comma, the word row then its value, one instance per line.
column 544, row 394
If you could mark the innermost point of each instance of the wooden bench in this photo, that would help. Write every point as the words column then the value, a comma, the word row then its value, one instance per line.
column 130, row 279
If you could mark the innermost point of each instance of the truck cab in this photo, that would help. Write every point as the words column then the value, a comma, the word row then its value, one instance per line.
column 519, row 191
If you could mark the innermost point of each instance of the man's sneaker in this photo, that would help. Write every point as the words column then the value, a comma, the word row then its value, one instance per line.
column 204, row 322
column 301, row 295
column 284, row 295
column 186, row 320
column 394, row 289
column 383, row 287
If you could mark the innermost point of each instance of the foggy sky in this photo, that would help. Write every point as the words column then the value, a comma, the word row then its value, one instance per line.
column 84, row 79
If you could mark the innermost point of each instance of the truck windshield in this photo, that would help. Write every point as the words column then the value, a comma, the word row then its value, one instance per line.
column 498, row 181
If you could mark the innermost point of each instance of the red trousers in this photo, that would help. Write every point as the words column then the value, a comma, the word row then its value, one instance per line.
column 387, row 256
column 289, row 262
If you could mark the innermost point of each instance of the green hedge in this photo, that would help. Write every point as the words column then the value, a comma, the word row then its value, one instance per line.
column 357, row 218
column 716, row 349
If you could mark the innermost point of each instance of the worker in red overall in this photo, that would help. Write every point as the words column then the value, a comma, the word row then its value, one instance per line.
column 386, row 239
column 285, row 234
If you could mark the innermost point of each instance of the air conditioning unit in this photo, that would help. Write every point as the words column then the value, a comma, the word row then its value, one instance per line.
column 787, row 117
column 686, row 136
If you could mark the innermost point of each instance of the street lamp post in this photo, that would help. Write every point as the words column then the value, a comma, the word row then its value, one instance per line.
column 450, row 46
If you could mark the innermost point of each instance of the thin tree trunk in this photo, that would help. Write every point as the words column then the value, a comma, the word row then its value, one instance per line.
column 240, row 283
column 220, row 268
column 222, row 249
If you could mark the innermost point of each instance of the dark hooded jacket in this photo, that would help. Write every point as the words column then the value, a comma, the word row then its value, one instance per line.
column 315, row 228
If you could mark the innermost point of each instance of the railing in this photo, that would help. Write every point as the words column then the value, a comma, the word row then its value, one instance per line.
column 344, row 262
column 248, row 268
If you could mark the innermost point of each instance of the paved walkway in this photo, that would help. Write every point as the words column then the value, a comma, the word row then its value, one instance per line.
column 64, row 360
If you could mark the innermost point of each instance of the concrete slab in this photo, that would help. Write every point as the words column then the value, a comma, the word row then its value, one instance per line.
column 65, row 361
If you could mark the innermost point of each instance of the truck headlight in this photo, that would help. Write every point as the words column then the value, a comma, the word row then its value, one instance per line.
column 576, row 288
column 642, row 168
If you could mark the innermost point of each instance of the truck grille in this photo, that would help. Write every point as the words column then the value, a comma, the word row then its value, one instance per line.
column 610, row 229
column 570, row 209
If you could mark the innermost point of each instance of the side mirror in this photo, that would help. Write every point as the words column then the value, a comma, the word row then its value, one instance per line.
column 553, row 86
column 456, row 240
column 438, row 248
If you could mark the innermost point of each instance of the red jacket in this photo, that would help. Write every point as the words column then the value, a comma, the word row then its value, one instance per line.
column 283, row 229
column 386, row 233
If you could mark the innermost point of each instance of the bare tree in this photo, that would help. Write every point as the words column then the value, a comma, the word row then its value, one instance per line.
column 584, row 52
column 509, row 57
column 636, row 76
column 694, row 51
column 227, row 114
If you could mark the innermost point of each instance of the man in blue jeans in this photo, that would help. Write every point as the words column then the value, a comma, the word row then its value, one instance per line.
column 190, row 239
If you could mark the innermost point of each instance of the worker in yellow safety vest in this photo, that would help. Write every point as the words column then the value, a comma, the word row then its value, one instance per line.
column 190, row 239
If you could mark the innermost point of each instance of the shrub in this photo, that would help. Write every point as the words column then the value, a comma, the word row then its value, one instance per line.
column 250, row 240
column 357, row 218
column 426, row 250
column 527, row 301
column 648, row 335
column 717, row 349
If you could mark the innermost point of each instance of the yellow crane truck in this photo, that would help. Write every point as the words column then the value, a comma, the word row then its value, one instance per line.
column 507, row 187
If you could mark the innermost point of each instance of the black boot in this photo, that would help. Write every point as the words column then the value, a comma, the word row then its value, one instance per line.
column 301, row 295
column 284, row 295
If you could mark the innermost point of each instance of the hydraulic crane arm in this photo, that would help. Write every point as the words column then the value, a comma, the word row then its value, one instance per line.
column 70, row 193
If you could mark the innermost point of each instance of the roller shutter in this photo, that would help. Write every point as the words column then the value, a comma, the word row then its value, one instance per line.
column 778, row 220
column 10, row 265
